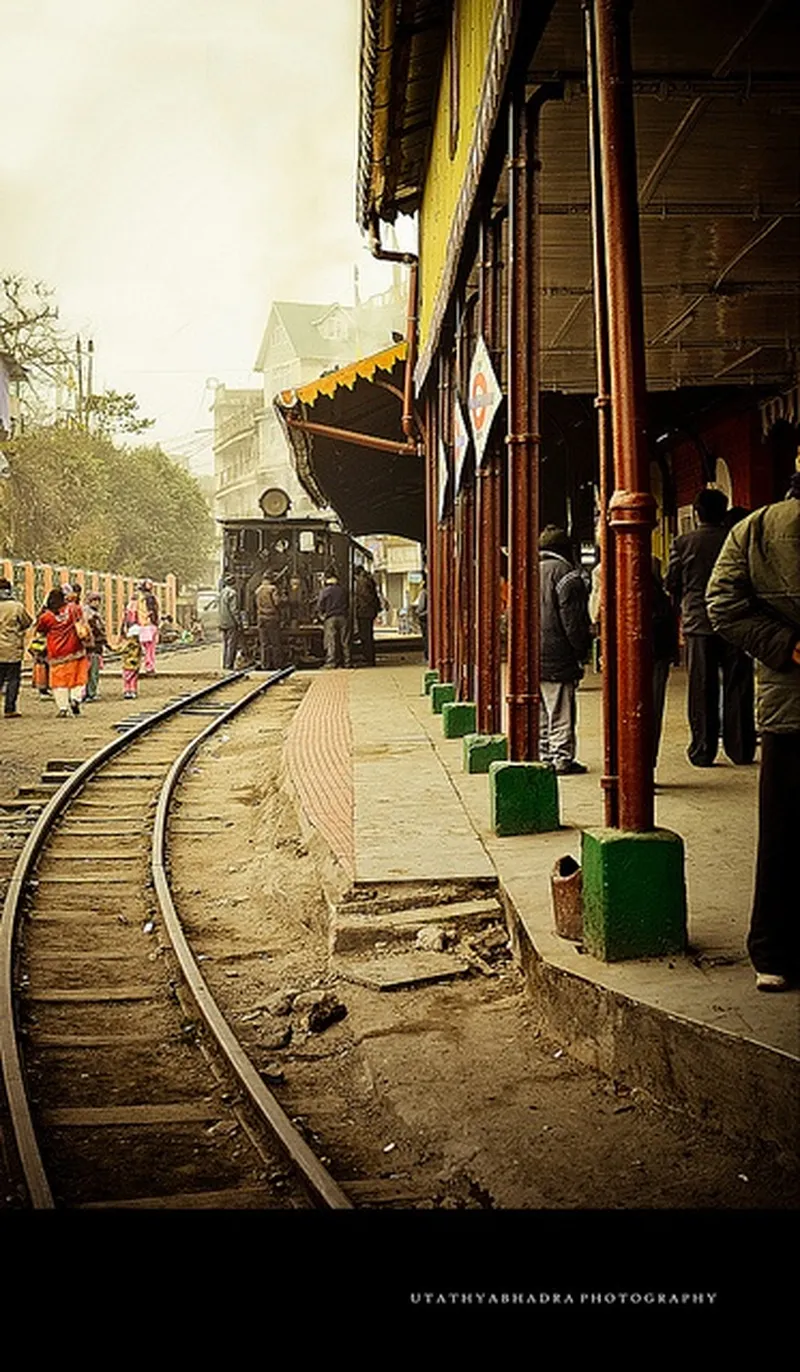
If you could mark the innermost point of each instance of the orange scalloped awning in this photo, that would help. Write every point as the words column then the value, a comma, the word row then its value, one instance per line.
column 364, row 370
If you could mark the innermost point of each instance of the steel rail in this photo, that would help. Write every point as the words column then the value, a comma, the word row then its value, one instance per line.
column 303, row 1159
column 39, row 1191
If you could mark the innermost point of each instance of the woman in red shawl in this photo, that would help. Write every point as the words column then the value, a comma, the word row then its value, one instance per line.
column 67, row 658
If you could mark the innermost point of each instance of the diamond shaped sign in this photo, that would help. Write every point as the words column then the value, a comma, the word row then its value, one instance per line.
column 444, row 478
column 485, row 398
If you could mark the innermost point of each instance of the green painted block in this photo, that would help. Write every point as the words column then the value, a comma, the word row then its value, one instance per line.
column 482, row 749
column 524, row 797
column 428, row 678
column 634, row 894
column 458, row 718
column 441, row 693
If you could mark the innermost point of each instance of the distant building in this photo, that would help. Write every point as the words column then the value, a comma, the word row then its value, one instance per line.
column 300, row 342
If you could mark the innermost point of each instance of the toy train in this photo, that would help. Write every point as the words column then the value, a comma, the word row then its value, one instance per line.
column 297, row 554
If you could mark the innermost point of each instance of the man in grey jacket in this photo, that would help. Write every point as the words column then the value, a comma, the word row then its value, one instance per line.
column 753, row 600
column 230, row 621
column 14, row 620
column 566, row 637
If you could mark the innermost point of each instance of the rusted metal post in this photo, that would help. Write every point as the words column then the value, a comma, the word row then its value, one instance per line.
column 431, row 569
column 632, row 507
column 605, row 452
column 487, row 484
column 445, row 541
column 523, row 431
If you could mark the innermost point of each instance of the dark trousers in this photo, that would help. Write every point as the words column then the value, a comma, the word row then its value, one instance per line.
column 269, row 638
column 230, row 642
column 774, row 939
column 661, row 668
column 366, row 634
column 10, row 673
column 711, row 662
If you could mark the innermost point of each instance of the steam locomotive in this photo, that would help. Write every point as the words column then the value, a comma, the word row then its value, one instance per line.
column 297, row 554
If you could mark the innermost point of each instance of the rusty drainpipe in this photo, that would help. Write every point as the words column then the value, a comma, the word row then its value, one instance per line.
column 523, row 431
column 632, row 507
column 410, row 260
column 608, row 611
column 487, row 484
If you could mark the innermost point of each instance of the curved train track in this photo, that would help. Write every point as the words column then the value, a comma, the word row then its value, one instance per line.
column 125, row 1085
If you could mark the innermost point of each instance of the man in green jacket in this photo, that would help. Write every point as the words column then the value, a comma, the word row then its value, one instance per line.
column 753, row 600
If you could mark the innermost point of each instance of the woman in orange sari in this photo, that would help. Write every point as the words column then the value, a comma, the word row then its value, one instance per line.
column 67, row 658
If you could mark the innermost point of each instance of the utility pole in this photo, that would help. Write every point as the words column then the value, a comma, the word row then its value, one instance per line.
column 89, row 375
column 79, row 357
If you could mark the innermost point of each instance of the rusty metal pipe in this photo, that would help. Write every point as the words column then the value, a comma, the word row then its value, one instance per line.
column 609, row 781
column 523, row 432
column 487, row 515
column 410, row 260
column 632, row 508
column 383, row 445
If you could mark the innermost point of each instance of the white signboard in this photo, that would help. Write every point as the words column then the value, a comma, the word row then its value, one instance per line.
column 485, row 398
column 460, row 442
column 444, row 478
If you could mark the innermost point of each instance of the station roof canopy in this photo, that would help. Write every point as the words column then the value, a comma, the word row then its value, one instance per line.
column 365, row 469
column 717, row 117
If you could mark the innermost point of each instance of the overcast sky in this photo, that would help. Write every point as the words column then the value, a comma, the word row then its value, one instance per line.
column 171, row 167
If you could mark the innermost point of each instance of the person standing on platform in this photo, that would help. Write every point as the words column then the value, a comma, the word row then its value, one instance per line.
column 566, row 638
column 753, row 600
column 14, row 620
column 665, row 651
column 334, row 611
column 230, row 622
column 131, row 659
column 67, row 658
column 268, row 619
column 421, row 611
column 710, row 659
column 367, row 607
column 148, row 622
column 99, row 643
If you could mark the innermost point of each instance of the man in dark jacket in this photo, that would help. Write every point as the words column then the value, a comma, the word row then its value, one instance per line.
column 367, row 606
column 710, row 659
column 566, row 637
column 333, row 610
column 753, row 599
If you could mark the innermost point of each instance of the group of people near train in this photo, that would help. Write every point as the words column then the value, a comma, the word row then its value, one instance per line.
column 733, row 583
column 68, row 643
column 279, row 613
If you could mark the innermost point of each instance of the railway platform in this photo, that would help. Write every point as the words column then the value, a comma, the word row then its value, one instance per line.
column 386, row 791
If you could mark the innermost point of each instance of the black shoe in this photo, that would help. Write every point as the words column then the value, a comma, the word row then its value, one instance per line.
column 572, row 769
column 75, row 707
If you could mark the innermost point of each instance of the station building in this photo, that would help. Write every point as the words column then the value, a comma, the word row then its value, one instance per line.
column 605, row 311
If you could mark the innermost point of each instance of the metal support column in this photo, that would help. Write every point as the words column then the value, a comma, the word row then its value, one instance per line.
column 445, row 559
column 632, row 508
column 523, row 431
column 608, row 624
column 488, row 494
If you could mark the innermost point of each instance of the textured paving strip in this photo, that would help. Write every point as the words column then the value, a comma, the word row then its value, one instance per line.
column 318, row 750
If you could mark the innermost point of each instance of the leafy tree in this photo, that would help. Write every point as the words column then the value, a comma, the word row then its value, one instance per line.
column 74, row 497
column 114, row 413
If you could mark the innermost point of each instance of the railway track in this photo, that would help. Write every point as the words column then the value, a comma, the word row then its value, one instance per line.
column 125, row 1085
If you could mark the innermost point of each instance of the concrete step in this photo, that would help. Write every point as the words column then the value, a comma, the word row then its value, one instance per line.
column 352, row 932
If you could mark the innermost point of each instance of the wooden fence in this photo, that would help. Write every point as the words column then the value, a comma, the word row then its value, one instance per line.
column 32, row 581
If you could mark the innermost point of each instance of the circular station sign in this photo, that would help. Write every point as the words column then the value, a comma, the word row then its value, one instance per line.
column 485, row 397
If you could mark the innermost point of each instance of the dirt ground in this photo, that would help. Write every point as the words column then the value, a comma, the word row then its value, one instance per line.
column 438, row 1098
